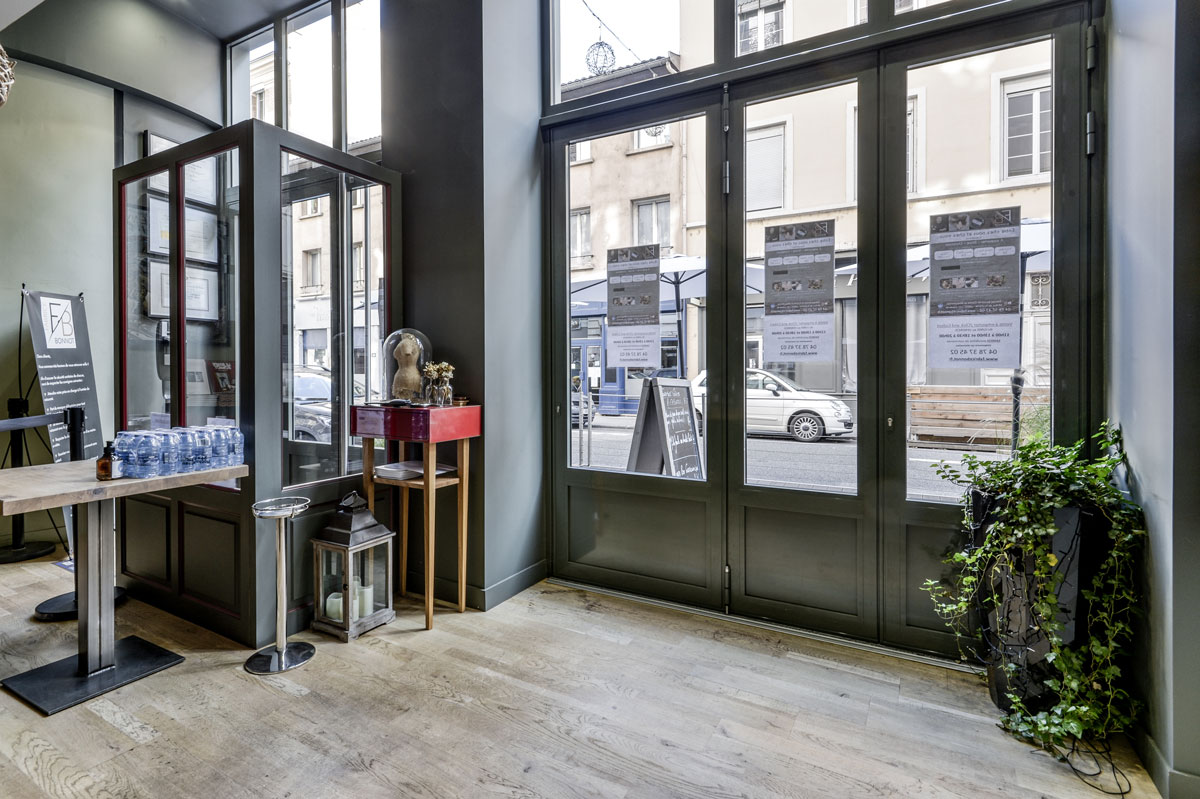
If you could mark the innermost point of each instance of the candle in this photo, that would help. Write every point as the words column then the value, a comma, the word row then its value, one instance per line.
column 333, row 606
column 366, row 600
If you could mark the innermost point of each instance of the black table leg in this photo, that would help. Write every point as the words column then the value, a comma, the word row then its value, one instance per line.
column 102, row 663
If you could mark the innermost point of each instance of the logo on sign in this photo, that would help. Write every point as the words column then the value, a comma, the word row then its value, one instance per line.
column 59, row 323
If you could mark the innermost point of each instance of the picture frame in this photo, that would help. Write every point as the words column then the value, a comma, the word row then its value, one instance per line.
column 201, row 288
column 200, row 235
column 158, row 226
column 200, row 180
column 196, row 377
column 153, row 143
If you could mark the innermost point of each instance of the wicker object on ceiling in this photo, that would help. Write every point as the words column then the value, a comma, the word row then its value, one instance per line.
column 7, row 75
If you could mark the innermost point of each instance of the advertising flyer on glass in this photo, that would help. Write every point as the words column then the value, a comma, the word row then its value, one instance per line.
column 798, row 292
column 633, row 305
column 975, row 289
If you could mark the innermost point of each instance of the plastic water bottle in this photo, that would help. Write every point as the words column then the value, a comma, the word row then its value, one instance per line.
column 220, row 446
column 237, row 447
column 169, row 463
column 123, row 455
column 149, row 455
column 187, row 447
column 202, row 453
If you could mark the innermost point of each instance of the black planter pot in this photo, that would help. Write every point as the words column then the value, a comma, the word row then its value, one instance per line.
column 1012, row 649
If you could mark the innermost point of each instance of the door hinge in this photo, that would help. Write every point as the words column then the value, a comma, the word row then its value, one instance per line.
column 1090, row 136
column 725, row 178
column 726, row 588
column 1090, row 49
column 725, row 108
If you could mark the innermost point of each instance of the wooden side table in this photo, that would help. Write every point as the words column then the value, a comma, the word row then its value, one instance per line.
column 428, row 427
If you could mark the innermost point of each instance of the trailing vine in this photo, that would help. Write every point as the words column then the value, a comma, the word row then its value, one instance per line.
column 1060, row 692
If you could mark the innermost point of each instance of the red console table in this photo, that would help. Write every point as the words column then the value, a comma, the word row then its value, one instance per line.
column 426, row 426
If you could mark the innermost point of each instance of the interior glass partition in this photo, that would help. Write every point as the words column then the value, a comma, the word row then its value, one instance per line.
column 147, row 301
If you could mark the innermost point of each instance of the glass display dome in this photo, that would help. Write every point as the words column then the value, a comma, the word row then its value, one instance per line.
column 405, row 353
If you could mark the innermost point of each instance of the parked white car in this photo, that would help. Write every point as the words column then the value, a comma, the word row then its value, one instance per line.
column 775, row 404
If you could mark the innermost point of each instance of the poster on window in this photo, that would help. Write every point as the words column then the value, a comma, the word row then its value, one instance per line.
column 975, row 289
column 633, row 308
column 798, row 292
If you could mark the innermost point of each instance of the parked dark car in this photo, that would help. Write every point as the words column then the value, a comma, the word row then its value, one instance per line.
column 312, row 392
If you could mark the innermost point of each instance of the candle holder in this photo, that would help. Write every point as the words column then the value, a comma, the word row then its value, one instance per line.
column 352, row 569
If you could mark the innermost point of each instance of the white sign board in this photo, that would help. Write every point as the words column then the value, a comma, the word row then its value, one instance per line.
column 798, row 275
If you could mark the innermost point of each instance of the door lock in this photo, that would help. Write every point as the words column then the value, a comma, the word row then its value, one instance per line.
column 889, row 422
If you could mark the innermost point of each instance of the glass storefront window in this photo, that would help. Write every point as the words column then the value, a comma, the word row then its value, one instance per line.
column 252, row 78
column 648, row 202
column 364, row 123
column 310, row 75
column 606, row 44
column 980, row 259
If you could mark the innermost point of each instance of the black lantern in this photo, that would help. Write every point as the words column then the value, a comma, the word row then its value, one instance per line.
column 352, row 562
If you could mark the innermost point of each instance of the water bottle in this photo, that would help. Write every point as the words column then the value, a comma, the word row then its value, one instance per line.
column 220, row 447
column 187, row 446
column 123, row 455
column 149, row 455
column 202, row 452
column 169, row 463
column 237, row 447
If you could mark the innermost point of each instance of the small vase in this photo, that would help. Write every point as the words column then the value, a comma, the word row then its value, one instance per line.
column 443, row 393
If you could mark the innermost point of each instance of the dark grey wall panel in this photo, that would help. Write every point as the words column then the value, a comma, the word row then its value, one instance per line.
column 129, row 43
column 804, row 559
column 608, row 530
column 208, row 549
column 145, row 529
column 925, row 547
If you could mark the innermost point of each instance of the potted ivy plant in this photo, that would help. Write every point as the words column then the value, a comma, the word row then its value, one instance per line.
column 1044, row 587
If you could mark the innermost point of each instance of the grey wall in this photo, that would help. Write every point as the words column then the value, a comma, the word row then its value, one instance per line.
column 461, row 124
column 131, row 44
column 1144, row 346
column 56, row 155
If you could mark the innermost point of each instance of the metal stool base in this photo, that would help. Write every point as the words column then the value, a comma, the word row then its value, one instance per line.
column 31, row 550
column 272, row 661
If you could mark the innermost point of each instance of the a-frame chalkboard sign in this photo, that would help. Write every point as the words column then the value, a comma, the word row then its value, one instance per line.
column 666, row 438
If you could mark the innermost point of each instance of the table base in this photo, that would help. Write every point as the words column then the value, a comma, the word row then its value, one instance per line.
column 272, row 661
column 58, row 685
column 65, row 607
column 31, row 550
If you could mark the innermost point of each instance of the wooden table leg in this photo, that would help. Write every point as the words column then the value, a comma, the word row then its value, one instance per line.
column 403, row 540
column 430, row 527
column 368, row 455
column 464, row 469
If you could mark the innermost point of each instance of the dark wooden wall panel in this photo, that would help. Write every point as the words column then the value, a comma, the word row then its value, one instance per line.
column 804, row 559
column 208, row 563
column 146, row 540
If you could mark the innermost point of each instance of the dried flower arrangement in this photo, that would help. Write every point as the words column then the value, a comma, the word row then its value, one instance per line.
column 7, row 75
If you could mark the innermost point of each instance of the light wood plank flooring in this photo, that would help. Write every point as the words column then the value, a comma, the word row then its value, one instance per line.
column 556, row 693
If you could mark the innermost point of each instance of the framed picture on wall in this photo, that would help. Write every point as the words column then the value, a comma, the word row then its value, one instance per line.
column 158, row 289
column 158, row 227
column 201, row 291
column 200, row 235
column 200, row 181
column 153, row 143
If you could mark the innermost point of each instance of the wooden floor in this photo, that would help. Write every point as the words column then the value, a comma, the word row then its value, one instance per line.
column 556, row 693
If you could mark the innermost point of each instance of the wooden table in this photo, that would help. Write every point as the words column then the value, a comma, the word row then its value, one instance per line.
column 102, row 663
column 428, row 427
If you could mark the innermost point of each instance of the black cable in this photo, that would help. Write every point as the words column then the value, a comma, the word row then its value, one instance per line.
column 610, row 30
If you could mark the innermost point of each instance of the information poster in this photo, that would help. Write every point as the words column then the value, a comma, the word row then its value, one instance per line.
column 975, row 289
column 633, row 308
column 63, row 354
column 798, row 292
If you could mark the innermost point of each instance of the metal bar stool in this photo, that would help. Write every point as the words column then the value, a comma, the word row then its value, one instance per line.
column 282, row 656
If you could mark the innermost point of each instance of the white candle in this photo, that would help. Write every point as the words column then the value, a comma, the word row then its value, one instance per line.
column 333, row 606
column 366, row 601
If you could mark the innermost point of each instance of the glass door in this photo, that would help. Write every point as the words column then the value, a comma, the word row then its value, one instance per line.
column 802, row 418
column 638, row 481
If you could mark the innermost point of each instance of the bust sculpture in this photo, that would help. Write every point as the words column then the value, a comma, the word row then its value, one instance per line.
column 407, row 382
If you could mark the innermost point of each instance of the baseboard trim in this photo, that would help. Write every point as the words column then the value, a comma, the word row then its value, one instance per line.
column 446, row 588
column 1172, row 783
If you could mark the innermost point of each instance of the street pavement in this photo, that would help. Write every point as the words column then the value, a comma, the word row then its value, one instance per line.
column 828, row 465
